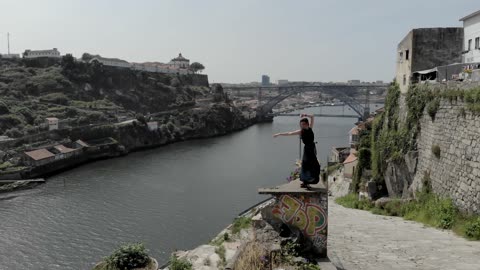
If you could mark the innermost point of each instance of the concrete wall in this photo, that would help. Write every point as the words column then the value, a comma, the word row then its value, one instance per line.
column 307, row 213
column 456, row 173
column 404, row 67
column 436, row 47
column 427, row 48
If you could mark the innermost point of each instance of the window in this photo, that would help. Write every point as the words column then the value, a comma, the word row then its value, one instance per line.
column 469, row 45
column 407, row 54
column 401, row 56
column 477, row 43
column 404, row 79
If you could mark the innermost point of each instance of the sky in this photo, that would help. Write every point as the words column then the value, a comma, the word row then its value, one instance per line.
column 237, row 41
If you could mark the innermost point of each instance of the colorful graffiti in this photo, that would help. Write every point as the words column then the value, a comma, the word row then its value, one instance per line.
column 308, row 214
column 305, row 213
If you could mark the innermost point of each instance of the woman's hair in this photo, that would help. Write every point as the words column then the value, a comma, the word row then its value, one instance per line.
column 304, row 120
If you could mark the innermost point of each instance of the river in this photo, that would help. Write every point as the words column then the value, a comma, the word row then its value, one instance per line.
column 174, row 197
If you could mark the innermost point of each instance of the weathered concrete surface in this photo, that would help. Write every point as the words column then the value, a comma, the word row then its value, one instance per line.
column 303, row 211
column 361, row 240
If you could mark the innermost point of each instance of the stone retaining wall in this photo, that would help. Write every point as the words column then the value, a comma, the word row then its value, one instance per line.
column 456, row 173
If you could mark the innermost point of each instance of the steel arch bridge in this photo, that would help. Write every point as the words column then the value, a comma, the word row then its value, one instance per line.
column 336, row 90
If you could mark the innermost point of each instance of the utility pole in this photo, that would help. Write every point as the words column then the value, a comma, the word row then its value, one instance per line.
column 8, row 42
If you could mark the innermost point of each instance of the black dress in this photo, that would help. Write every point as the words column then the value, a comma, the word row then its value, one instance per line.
column 310, row 173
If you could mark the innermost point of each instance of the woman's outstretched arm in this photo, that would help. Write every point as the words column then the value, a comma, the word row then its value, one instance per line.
column 291, row 133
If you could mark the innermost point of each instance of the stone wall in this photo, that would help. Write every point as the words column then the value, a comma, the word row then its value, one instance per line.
column 456, row 173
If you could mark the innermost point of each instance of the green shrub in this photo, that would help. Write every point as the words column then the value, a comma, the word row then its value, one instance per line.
column 221, row 252
column 179, row 264
column 432, row 108
column 3, row 108
column 127, row 257
column 472, row 229
column 364, row 158
column 436, row 150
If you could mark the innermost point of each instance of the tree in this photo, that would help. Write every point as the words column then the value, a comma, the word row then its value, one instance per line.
column 196, row 67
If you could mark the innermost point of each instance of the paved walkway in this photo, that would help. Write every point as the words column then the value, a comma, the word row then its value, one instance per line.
column 360, row 240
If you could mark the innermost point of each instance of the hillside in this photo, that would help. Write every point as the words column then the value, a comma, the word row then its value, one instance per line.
column 80, row 93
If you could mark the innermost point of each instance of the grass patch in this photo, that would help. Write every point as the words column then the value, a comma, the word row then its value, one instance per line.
column 251, row 258
column 331, row 169
column 428, row 208
column 240, row 224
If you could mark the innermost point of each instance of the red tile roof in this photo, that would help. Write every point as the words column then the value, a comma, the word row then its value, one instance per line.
column 63, row 149
column 40, row 154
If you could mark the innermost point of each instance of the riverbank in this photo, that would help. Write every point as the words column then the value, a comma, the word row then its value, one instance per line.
column 92, row 143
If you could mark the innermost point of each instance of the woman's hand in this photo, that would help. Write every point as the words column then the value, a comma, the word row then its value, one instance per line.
column 305, row 115
column 276, row 135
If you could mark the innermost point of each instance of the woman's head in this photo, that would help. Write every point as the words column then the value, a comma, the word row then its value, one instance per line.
column 304, row 123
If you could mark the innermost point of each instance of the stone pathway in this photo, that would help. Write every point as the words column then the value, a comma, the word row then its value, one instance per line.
column 361, row 240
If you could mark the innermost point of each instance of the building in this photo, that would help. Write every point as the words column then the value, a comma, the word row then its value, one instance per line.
column 339, row 154
column 471, row 29
column 265, row 80
column 113, row 62
column 354, row 136
column 153, row 125
column 354, row 81
column 426, row 48
column 38, row 157
column 53, row 53
column 10, row 56
column 81, row 144
column 52, row 123
column 282, row 82
column 180, row 62
column 350, row 164
column 62, row 152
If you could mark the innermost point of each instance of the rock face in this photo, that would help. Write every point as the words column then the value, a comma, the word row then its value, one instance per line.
column 398, row 179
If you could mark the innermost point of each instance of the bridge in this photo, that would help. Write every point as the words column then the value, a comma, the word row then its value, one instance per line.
column 337, row 90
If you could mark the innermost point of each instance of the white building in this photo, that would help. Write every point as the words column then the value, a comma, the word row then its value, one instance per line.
column 52, row 123
column 54, row 53
column 282, row 82
column 180, row 62
column 471, row 26
column 114, row 62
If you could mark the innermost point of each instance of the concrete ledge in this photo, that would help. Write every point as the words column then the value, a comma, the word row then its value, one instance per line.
column 293, row 188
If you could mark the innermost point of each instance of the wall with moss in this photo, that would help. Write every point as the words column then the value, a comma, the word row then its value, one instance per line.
column 428, row 138
column 449, row 153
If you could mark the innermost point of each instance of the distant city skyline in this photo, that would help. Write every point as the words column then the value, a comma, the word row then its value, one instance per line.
column 237, row 41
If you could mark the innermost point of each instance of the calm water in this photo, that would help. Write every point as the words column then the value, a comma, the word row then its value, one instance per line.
column 173, row 197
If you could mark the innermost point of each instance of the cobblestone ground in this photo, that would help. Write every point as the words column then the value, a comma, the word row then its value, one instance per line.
column 361, row 240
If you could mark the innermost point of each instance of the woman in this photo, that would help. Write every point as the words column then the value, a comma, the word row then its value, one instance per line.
column 310, row 173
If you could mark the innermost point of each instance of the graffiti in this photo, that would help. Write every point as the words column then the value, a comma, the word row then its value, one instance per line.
column 306, row 214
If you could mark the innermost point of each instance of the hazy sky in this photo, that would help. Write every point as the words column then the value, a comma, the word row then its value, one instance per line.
column 237, row 41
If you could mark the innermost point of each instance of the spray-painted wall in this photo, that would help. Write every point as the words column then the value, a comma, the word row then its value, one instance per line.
column 307, row 213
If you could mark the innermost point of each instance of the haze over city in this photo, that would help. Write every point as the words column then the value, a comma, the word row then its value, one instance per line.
column 237, row 41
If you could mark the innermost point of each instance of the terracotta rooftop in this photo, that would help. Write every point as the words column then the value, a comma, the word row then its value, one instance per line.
column 40, row 154
column 351, row 158
column 63, row 149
